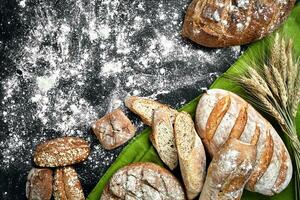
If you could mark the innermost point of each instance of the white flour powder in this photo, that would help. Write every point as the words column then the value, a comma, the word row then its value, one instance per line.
column 79, row 62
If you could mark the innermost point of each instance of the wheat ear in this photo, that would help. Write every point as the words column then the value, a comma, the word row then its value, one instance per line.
column 291, row 69
column 296, row 96
column 275, row 54
column 258, row 79
column 280, row 85
column 270, row 80
column 283, row 60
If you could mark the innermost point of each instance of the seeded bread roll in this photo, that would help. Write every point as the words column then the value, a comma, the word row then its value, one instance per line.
column 67, row 185
column 229, row 171
column 144, row 108
column 222, row 115
column 39, row 184
column 163, row 139
column 192, row 158
column 143, row 181
column 114, row 129
column 222, row 23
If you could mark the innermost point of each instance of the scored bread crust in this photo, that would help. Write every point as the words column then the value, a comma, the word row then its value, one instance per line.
column 39, row 184
column 272, row 155
column 61, row 152
column 144, row 108
column 229, row 171
column 163, row 139
column 114, row 129
column 222, row 23
column 191, row 153
column 143, row 181
column 67, row 185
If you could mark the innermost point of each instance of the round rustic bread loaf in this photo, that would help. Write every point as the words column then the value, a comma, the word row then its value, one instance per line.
column 222, row 115
column 144, row 181
column 222, row 23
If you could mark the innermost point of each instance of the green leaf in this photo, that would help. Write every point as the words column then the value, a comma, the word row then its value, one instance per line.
column 140, row 148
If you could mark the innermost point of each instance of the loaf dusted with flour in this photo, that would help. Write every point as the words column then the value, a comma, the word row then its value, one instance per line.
column 222, row 115
column 229, row 171
column 192, row 158
column 222, row 23
column 145, row 181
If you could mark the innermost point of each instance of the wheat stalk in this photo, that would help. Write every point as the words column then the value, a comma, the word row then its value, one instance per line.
column 276, row 90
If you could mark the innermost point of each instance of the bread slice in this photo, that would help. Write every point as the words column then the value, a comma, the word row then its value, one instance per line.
column 192, row 158
column 143, row 181
column 144, row 108
column 163, row 138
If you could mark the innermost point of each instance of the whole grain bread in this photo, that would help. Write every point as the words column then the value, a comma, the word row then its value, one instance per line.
column 229, row 171
column 114, row 129
column 39, row 184
column 222, row 23
column 67, row 185
column 61, row 152
column 143, row 181
column 192, row 158
column 222, row 115
column 144, row 108
column 163, row 139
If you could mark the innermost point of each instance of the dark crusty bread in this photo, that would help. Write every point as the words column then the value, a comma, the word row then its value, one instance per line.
column 61, row 152
column 222, row 23
column 162, row 138
column 114, row 129
column 39, row 184
column 192, row 158
column 144, row 181
column 144, row 108
column 67, row 185
column 229, row 171
column 222, row 115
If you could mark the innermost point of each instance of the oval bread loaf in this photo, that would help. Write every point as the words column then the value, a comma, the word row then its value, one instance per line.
column 191, row 153
column 222, row 23
column 61, row 152
column 143, row 181
column 222, row 115
column 229, row 171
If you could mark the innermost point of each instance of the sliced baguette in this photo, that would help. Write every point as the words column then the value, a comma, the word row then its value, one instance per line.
column 163, row 138
column 144, row 108
column 192, row 159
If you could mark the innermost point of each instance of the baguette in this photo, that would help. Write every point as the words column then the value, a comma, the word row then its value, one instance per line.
column 223, row 23
column 163, row 138
column 146, row 181
column 222, row 115
column 229, row 171
column 191, row 154
column 144, row 108
column 114, row 129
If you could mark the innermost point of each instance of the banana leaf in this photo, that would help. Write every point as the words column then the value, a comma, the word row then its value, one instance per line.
column 140, row 148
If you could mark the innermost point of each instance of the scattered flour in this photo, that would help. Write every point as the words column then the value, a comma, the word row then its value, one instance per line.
column 80, row 60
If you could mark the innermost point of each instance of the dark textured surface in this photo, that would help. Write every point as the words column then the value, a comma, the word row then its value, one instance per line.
column 183, row 77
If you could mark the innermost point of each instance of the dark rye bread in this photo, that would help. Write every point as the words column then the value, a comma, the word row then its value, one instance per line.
column 67, row 185
column 114, row 129
column 143, row 181
column 61, row 152
column 221, row 115
column 39, row 184
column 223, row 23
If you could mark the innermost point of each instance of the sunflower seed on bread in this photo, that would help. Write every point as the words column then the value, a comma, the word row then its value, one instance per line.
column 114, row 129
column 192, row 158
column 39, row 184
column 144, row 108
column 67, row 185
column 61, row 152
column 163, row 139
column 143, row 181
